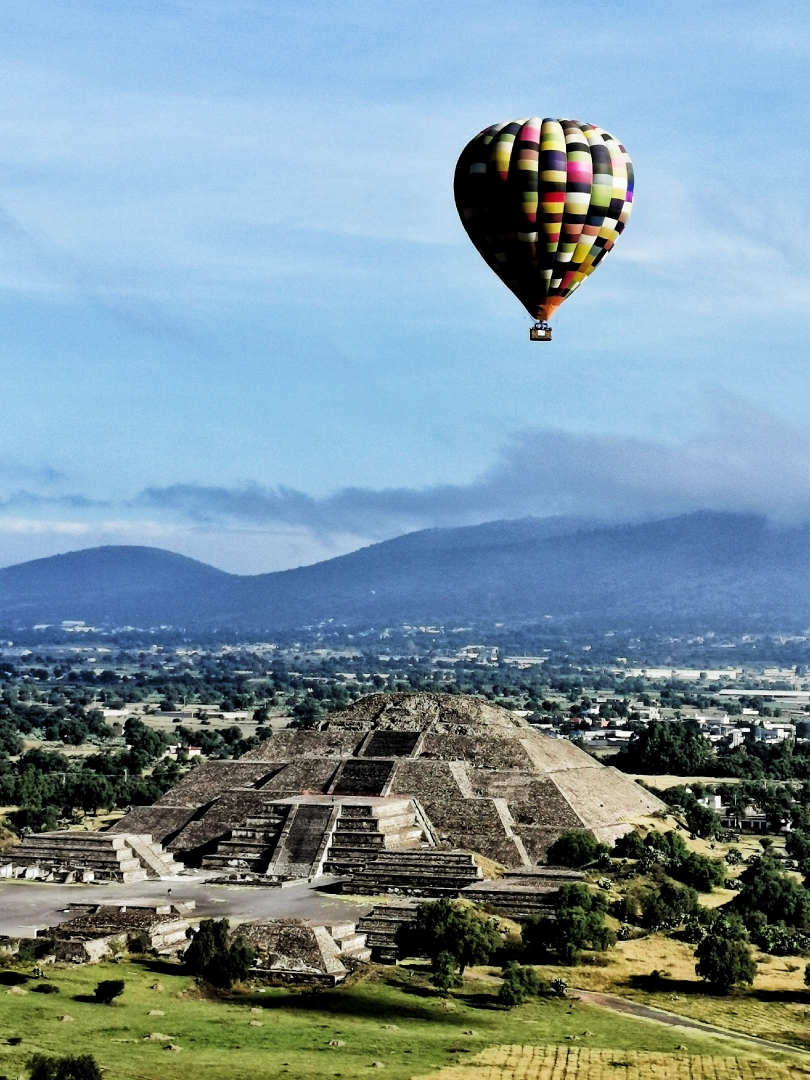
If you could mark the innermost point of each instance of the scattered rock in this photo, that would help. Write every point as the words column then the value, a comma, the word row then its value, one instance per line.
column 256, row 1009
column 157, row 986
column 469, row 1032
column 336, row 1042
column 376, row 1065
column 157, row 1036
column 681, row 1046
column 156, row 1012
column 18, row 990
column 390, row 1027
column 171, row 1046
column 65, row 1019
column 257, row 1023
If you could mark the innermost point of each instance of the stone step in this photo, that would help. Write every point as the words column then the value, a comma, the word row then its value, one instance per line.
column 253, row 866
column 352, row 943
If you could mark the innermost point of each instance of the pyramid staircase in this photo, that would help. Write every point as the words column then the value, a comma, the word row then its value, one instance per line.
column 310, row 836
column 380, row 928
column 252, row 844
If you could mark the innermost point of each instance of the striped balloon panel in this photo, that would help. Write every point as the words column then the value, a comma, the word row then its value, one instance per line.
column 543, row 201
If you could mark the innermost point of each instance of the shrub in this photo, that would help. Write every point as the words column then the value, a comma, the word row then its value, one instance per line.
column 107, row 991
column 701, row 872
column 82, row 1067
column 139, row 942
column 518, row 983
column 724, row 962
column 574, row 848
column 781, row 940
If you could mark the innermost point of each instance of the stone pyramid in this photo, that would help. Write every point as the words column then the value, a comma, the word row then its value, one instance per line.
column 416, row 770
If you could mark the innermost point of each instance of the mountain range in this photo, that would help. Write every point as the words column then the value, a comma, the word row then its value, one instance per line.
column 695, row 571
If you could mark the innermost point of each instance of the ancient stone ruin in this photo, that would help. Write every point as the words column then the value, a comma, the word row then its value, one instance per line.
column 395, row 794
column 299, row 951
column 67, row 857
column 99, row 931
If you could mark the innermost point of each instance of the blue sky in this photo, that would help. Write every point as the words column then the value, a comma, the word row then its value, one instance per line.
column 241, row 320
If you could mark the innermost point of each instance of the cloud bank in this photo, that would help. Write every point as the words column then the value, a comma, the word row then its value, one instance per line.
column 740, row 459
column 743, row 459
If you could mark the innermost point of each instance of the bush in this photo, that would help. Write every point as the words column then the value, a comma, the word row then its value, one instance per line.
column 518, row 983
column 781, row 940
column 83, row 1067
column 701, row 872
column 107, row 991
column 724, row 962
column 575, row 848
column 139, row 942
column 216, row 957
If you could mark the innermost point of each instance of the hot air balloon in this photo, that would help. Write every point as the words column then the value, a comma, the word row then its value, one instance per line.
column 543, row 201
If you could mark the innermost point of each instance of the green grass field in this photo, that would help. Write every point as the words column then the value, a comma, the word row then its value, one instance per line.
column 390, row 1018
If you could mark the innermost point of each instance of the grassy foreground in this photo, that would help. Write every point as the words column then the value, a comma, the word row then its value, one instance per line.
column 389, row 1020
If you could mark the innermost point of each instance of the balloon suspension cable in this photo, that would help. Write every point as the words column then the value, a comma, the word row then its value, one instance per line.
column 541, row 331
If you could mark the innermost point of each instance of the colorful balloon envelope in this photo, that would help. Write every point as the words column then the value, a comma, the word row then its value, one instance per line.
column 544, row 201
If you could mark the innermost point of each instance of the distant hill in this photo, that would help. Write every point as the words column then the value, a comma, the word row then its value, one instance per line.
column 697, row 570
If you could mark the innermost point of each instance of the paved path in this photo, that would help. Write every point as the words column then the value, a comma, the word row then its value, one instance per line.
column 28, row 906
column 663, row 1016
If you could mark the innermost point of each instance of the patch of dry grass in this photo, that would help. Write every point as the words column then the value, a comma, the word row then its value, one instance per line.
column 777, row 1007
column 580, row 1063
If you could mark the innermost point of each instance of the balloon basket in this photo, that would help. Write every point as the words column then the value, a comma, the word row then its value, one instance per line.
column 541, row 331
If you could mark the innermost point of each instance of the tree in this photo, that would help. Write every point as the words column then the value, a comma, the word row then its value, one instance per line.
column 662, row 748
column 82, row 1067
column 446, row 974
column 725, row 962
column 766, row 888
column 702, row 820
column 449, row 926
column 217, row 957
column 629, row 846
column 107, row 991
column 578, row 923
column 575, row 848
column 518, row 983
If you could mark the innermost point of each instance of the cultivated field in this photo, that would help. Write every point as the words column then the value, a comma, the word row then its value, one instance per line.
column 573, row 1063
